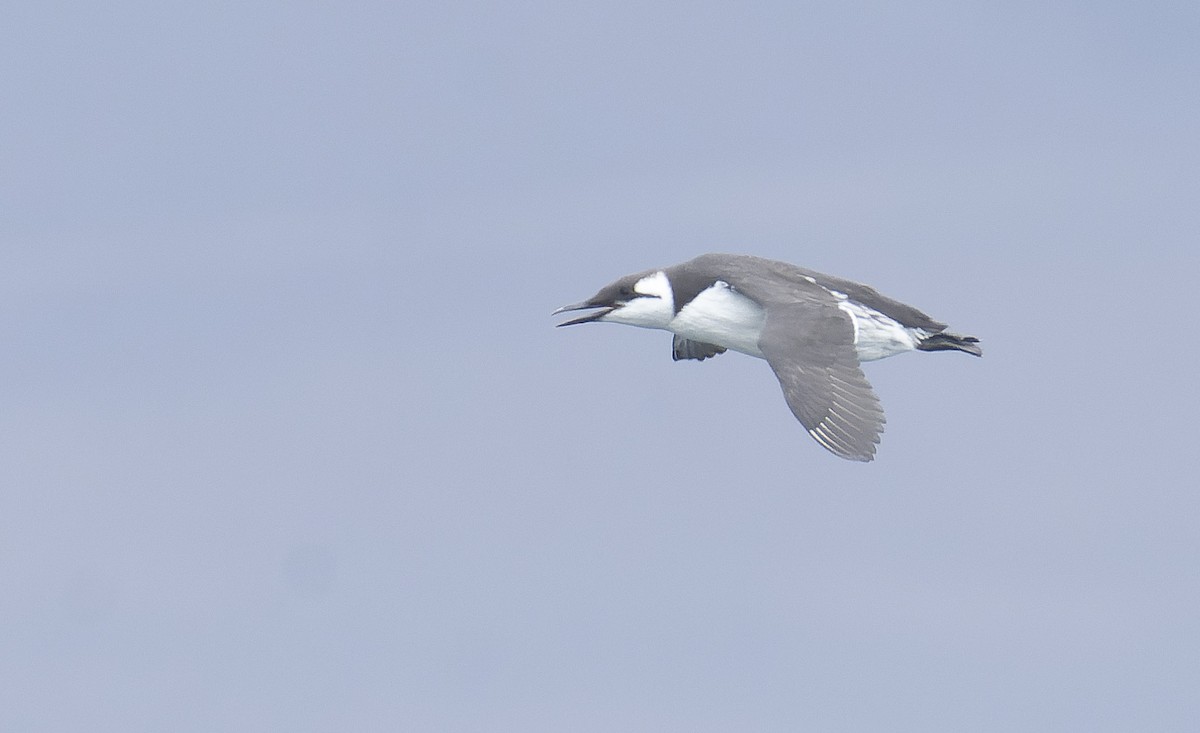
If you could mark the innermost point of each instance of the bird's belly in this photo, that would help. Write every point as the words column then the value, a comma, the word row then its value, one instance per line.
column 877, row 336
column 723, row 317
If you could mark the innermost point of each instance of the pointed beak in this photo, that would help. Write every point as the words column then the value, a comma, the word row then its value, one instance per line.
column 603, row 311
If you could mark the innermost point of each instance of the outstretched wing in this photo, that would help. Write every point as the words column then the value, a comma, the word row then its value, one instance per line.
column 682, row 348
column 812, row 352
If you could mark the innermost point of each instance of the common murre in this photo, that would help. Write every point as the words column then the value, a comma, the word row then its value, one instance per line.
column 813, row 329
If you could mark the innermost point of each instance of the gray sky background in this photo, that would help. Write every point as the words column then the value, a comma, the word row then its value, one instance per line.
column 289, row 441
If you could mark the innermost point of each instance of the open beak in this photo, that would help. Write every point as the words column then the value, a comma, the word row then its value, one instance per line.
column 603, row 311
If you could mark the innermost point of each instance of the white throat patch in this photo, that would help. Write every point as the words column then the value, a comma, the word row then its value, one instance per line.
column 654, row 309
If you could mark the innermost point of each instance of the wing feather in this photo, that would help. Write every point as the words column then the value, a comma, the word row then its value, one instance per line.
column 811, row 350
column 682, row 348
column 809, row 343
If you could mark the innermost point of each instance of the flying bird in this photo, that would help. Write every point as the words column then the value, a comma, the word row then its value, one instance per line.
column 813, row 329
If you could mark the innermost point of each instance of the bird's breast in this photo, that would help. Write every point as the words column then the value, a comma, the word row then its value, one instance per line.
column 720, row 315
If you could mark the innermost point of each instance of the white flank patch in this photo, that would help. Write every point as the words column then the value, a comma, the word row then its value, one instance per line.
column 875, row 335
column 853, row 321
column 720, row 315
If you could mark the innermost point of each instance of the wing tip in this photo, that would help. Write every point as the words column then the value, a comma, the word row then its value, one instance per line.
column 850, row 448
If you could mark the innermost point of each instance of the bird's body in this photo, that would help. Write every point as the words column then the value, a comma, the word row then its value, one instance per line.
column 813, row 329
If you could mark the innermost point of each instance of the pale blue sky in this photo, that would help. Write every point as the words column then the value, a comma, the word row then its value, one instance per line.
column 288, row 441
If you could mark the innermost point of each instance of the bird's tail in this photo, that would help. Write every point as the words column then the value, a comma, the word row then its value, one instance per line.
column 951, row 342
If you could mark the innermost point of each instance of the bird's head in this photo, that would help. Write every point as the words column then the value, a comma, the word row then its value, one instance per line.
column 644, row 299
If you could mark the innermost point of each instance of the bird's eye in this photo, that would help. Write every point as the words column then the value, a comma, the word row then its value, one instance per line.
column 626, row 291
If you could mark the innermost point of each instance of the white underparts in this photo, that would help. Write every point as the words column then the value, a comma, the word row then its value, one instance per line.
column 877, row 336
column 720, row 315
